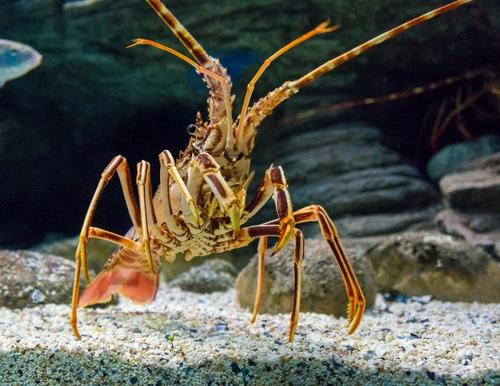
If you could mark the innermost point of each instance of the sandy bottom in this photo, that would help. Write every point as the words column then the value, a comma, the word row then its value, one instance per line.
column 191, row 339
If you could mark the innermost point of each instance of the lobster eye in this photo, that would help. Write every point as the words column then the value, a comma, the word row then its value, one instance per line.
column 191, row 129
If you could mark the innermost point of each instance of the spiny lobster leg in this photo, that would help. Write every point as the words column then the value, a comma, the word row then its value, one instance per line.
column 117, row 165
column 355, row 295
column 179, row 229
column 298, row 256
column 274, row 181
column 274, row 184
column 148, row 219
column 264, row 231
column 188, row 203
column 148, row 198
column 95, row 233
column 261, row 252
column 103, row 234
column 204, row 167
column 320, row 29
column 265, row 106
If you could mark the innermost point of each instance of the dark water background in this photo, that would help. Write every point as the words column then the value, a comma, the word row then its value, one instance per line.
column 92, row 99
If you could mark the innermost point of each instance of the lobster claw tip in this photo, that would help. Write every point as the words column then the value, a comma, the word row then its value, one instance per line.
column 285, row 234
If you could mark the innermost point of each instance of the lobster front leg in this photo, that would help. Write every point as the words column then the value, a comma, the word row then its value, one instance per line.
column 357, row 302
column 274, row 181
column 204, row 168
column 148, row 218
column 274, row 184
column 189, row 208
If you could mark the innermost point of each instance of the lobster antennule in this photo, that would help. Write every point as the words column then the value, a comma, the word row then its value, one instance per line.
column 132, row 282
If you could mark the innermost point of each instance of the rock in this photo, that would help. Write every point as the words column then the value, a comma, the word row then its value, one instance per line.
column 98, row 251
column 388, row 223
column 457, row 157
column 365, row 186
column 473, row 201
column 211, row 276
column 475, row 190
column 376, row 190
column 491, row 163
column 333, row 150
column 29, row 279
column 438, row 265
column 323, row 290
column 478, row 229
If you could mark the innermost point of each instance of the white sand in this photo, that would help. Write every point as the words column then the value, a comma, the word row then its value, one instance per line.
column 192, row 339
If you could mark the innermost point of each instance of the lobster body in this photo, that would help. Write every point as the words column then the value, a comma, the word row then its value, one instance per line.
column 201, row 205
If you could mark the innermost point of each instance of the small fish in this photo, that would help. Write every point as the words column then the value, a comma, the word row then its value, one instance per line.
column 71, row 4
column 16, row 59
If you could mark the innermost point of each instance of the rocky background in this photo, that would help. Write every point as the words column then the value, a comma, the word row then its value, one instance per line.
column 92, row 99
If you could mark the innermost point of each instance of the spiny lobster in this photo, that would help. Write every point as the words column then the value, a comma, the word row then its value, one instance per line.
column 200, row 205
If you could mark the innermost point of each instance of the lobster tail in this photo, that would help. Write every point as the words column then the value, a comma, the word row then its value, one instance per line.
column 126, row 274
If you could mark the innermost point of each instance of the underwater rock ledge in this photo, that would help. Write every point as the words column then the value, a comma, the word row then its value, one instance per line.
column 204, row 339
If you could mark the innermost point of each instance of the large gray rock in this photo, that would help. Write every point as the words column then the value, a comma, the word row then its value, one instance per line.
column 380, row 224
column 373, row 190
column 29, row 279
column 458, row 156
column 437, row 265
column 323, row 290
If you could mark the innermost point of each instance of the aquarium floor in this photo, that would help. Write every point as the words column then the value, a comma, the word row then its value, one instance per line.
column 192, row 339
